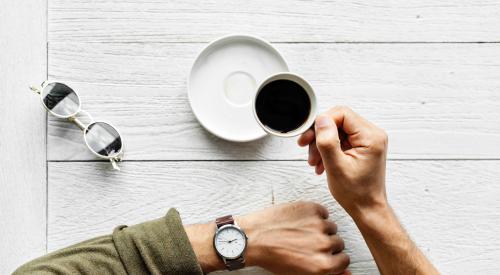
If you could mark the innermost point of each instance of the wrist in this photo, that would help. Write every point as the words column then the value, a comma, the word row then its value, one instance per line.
column 368, row 213
column 379, row 221
column 201, row 237
column 372, row 215
column 252, row 251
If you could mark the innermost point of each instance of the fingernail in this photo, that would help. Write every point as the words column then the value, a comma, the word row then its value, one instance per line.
column 323, row 121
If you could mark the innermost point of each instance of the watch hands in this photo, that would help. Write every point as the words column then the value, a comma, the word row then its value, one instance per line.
column 228, row 241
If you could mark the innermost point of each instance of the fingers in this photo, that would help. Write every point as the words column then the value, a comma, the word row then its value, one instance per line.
column 337, row 132
column 320, row 168
column 348, row 120
column 336, row 261
column 332, row 244
column 314, row 156
column 359, row 131
column 328, row 141
column 306, row 138
column 309, row 209
column 340, row 262
column 355, row 128
column 332, row 264
column 346, row 272
column 337, row 244
column 322, row 211
column 329, row 228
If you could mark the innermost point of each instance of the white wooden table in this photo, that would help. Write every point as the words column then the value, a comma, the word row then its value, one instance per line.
column 426, row 71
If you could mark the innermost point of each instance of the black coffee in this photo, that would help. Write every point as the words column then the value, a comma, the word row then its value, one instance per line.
column 282, row 105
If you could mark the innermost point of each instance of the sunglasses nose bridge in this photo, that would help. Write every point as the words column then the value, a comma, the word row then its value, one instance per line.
column 77, row 122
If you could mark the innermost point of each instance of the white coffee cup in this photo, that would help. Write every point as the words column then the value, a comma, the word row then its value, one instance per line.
column 310, row 93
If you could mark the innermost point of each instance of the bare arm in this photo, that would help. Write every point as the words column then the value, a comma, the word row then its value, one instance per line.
column 391, row 247
column 353, row 151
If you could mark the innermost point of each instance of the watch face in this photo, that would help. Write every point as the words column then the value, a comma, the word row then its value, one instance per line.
column 230, row 242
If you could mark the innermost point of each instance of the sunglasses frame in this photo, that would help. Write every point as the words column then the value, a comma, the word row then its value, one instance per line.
column 73, row 118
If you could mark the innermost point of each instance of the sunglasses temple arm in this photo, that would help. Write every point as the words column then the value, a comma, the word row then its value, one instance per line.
column 114, row 164
column 35, row 89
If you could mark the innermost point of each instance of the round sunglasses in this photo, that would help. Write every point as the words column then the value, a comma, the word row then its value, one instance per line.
column 102, row 139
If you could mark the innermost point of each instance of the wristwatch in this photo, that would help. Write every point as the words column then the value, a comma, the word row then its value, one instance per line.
column 230, row 242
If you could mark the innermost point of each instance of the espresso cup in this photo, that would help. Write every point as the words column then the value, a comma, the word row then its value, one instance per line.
column 285, row 105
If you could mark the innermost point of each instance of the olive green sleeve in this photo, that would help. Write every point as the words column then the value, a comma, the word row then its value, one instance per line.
column 159, row 246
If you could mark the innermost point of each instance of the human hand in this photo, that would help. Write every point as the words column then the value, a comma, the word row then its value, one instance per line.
column 353, row 151
column 294, row 238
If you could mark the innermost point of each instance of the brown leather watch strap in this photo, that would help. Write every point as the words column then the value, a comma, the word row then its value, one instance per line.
column 224, row 220
column 235, row 263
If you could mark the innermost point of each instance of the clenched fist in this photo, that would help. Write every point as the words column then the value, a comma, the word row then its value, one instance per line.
column 294, row 238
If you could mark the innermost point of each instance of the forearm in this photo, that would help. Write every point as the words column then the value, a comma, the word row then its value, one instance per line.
column 391, row 247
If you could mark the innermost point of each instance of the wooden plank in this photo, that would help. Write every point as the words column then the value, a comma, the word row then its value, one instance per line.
column 447, row 206
column 22, row 133
column 435, row 100
column 146, row 190
column 312, row 21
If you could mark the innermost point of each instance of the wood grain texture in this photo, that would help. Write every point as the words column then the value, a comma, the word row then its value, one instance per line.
column 448, row 207
column 313, row 21
column 436, row 101
column 145, row 190
column 23, row 55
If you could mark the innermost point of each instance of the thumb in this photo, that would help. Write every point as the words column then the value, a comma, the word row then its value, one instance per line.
column 328, row 141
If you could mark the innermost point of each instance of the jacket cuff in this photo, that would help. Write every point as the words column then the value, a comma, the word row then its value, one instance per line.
column 159, row 246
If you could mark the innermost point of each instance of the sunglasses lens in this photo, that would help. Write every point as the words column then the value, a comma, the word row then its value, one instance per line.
column 60, row 99
column 103, row 139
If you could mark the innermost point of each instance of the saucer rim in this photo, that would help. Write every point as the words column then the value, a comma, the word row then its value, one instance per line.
column 232, row 36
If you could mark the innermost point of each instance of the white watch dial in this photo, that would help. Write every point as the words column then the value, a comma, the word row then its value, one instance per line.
column 230, row 242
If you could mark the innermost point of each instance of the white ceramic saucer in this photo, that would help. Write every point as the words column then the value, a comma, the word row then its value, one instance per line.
column 223, row 82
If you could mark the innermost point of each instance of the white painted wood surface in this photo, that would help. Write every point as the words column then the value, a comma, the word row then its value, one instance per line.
column 448, row 207
column 129, row 60
column 282, row 20
column 435, row 100
column 22, row 133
